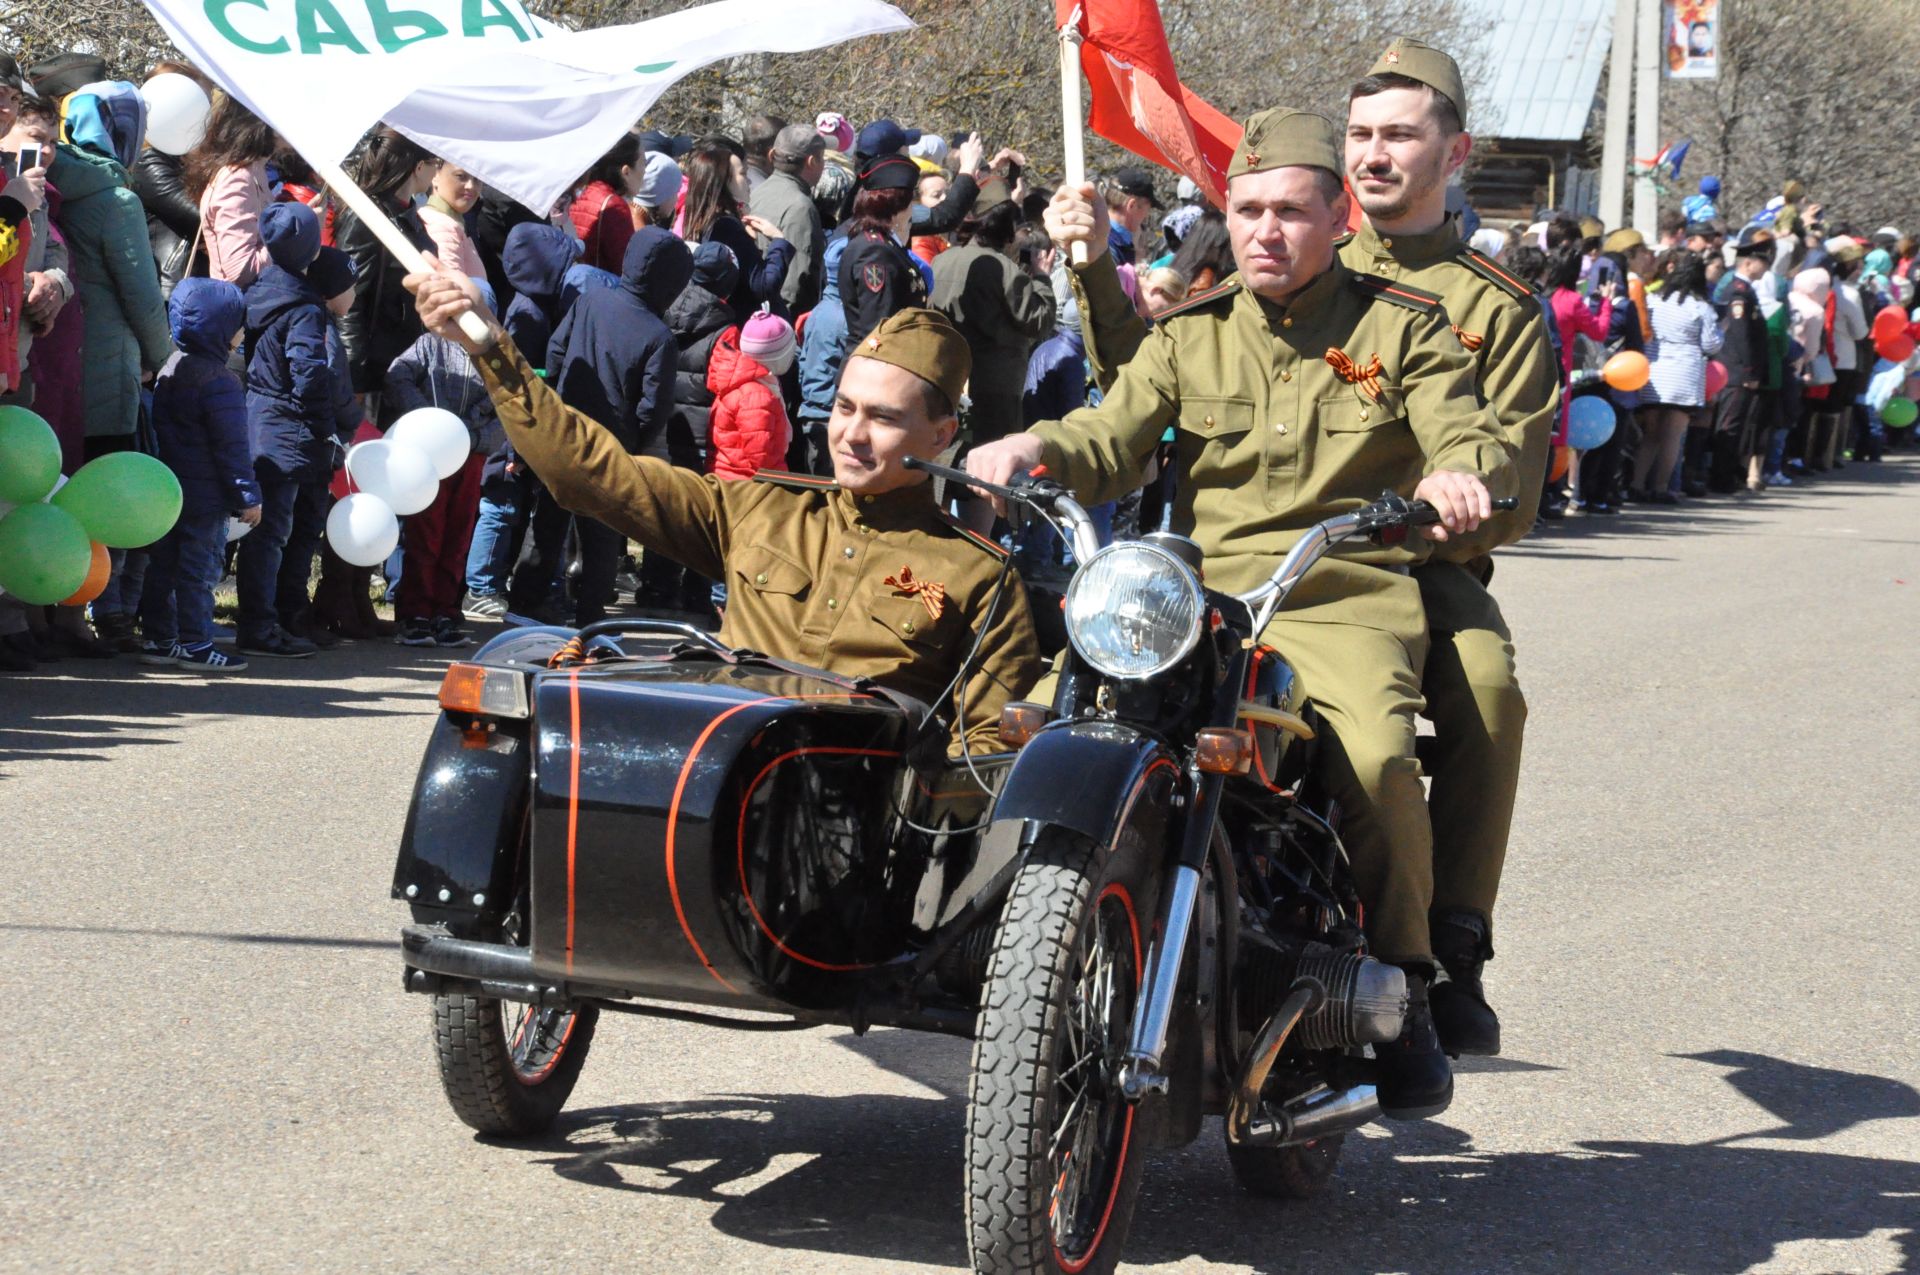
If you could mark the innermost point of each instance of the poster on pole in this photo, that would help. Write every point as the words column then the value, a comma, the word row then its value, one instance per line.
column 1693, row 39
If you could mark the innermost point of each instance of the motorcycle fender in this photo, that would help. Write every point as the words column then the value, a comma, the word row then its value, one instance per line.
column 464, row 825
column 1089, row 777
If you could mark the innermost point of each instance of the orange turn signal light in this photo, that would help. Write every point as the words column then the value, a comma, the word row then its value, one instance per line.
column 1222, row 750
column 484, row 691
column 1021, row 720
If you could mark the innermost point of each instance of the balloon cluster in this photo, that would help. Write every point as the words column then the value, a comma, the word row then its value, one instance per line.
column 55, row 532
column 1893, row 335
column 391, row 476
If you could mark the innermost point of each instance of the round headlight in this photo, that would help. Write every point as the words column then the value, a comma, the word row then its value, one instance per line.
column 1134, row 610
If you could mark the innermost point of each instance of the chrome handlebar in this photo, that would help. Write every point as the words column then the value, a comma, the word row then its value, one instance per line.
column 1042, row 495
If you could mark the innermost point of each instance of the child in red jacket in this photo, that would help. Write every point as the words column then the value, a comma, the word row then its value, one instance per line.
column 750, row 430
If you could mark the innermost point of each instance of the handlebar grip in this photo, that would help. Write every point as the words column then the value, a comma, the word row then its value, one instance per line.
column 1506, row 504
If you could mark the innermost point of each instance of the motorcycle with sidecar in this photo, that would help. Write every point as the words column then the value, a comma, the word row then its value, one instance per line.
column 1140, row 910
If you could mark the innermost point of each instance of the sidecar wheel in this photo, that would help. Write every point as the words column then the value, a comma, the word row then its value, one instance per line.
column 1052, row 1171
column 1286, row 1173
column 508, row 1068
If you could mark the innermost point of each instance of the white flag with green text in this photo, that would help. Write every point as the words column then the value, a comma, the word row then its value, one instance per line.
column 525, row 105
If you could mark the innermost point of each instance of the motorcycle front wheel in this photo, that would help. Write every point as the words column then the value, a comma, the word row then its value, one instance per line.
column 509, row 1068
column 1053, row 1169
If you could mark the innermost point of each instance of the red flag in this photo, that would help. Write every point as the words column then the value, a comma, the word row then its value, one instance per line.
column 1138, row 100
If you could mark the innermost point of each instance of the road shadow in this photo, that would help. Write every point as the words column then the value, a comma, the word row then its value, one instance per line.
column 83, row 710
column 206, row 936
column 880, row 1177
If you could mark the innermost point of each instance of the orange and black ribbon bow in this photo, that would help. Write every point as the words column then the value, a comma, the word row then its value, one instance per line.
column 1367, row 378
column 932, row 594
column 1471, row 340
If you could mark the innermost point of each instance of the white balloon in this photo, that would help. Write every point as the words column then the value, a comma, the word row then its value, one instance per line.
column 237, row 529
column 401, row 475
column 363, row 530
column 437, row 432
column 177, row 113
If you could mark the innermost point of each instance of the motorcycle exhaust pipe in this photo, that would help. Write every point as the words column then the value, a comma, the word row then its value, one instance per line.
column 1322, row 1116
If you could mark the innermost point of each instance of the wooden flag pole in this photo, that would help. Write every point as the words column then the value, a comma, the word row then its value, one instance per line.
column 1073, row 116
column 375, row 218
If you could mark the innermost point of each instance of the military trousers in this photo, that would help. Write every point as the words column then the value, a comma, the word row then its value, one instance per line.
column 1479, row 720
column 1365, row 684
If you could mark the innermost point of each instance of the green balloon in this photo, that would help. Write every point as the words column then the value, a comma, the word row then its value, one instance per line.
column 29, row 456
column 44, row 554
column 1900, row 412
column 124, row 499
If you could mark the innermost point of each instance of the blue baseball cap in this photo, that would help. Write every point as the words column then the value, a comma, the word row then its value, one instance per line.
column 884, row 137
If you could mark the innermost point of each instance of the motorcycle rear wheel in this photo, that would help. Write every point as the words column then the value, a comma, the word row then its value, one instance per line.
column 509, row 1068
column 1286, row 1173
column 1052, row 1170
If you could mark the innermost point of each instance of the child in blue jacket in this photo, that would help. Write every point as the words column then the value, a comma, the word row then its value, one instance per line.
column 200, row 419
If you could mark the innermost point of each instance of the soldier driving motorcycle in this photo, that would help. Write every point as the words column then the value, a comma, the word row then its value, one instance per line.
column 1298, row 389
column 861, row 575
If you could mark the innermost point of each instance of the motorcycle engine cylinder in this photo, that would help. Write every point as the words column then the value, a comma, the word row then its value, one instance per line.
column 1366, row 1001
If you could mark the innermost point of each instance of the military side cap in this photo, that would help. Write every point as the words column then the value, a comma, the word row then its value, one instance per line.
column 925, row 343
column 1420, row 61
column 1623, row 240
column 993, row 193
column 1280, row 138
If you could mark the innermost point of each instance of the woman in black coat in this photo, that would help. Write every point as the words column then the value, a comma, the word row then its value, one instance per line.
column 878, row 277
column 382, row 323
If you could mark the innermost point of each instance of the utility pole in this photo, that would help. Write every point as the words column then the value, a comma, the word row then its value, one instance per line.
column 1613, row 151
column 1646, row 116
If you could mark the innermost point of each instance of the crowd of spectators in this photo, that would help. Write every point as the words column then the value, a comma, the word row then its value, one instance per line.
column 697, row 296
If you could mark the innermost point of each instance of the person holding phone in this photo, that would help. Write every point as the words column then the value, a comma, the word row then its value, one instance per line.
column 21, row 200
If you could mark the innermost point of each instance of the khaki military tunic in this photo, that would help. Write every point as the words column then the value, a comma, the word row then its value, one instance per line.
column 1503, row 327
column 884, row 587
column 1273, row 437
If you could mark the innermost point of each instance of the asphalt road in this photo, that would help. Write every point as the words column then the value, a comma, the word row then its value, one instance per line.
column 1706, row 971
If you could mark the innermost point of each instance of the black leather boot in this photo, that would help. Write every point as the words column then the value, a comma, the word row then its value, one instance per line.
column 1416, row 1081
column 1466, row 1023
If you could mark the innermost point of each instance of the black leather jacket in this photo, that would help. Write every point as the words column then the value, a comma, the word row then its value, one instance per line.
column 173, row 219
column 382, row 323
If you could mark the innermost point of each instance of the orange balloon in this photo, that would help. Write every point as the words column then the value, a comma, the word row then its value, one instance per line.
column 96, row 582
column 1562, row 459
column 1627, row 371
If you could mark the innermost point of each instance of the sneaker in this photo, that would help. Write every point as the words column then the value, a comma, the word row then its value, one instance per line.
column 278, row 644
column 447, row 632
column 1778, row 479
column 208, row 659
column 160, row 654
column 486, row 607
column 414, row 633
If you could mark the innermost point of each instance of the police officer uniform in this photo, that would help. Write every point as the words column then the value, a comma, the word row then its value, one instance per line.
column 1473, row 693
column 879, row 277
column 881, row 586
column 1286, row 414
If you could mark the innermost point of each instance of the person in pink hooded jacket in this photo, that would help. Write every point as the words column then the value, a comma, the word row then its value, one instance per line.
column 750, row 430
column 227, row 173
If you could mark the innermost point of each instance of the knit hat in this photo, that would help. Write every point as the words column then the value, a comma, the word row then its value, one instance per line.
column 833, row 126
column 1710, row 186
column 715, row 268
column 292, row 235
column 660, row 181
column 331, row 273
column 767, row 339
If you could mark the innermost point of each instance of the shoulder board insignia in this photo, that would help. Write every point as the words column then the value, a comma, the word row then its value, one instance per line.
column 800, row 482
column 1200, row 299
column 967, row 533
column 1397, row 293
column 1493, row 272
